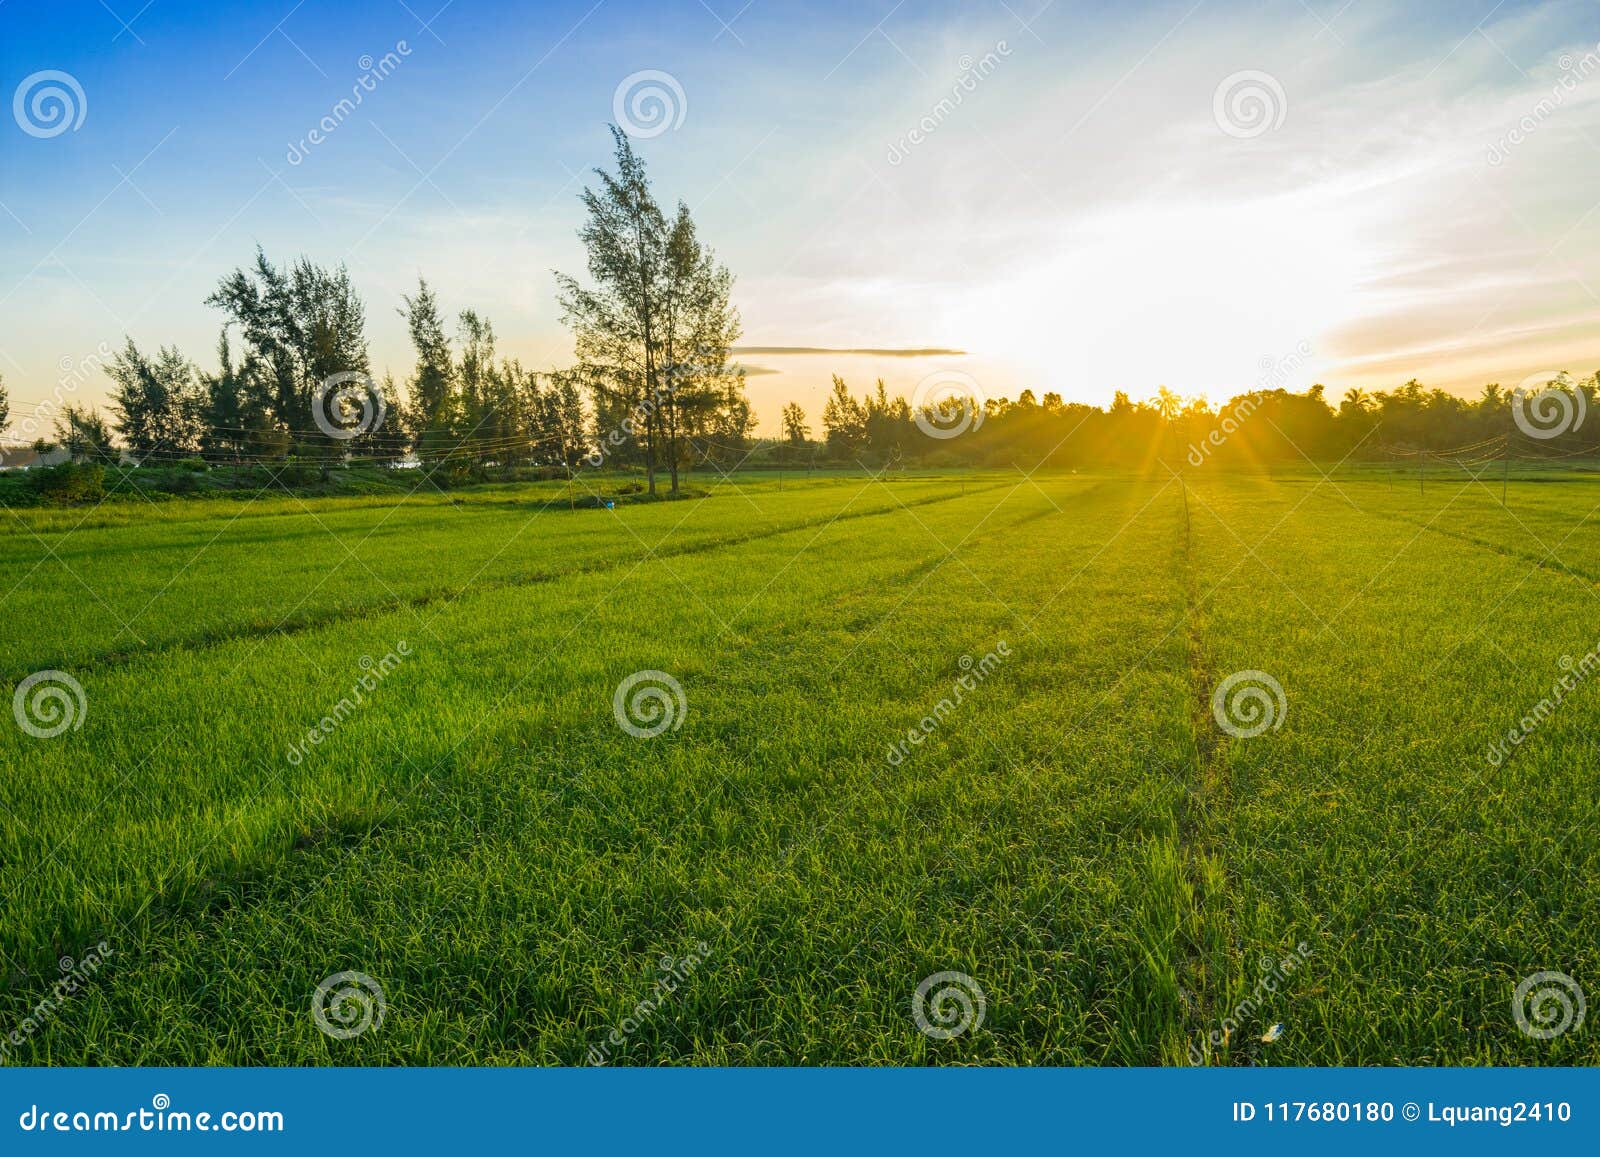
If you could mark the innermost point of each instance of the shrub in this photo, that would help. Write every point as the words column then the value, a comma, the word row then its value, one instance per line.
column 69, row 483
column 293, row 474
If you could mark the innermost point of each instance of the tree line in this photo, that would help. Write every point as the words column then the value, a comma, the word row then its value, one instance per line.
column 1558, row 416
column 654, row 386
column 653, row 383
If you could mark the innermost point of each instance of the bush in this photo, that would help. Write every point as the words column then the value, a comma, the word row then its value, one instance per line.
column 535, row 474
column 68, row 484
column 292, row 474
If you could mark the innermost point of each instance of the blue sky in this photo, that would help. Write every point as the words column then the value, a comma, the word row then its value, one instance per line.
column 1079, row 216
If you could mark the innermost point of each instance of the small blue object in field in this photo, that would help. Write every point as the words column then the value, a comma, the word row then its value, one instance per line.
column 610, row 505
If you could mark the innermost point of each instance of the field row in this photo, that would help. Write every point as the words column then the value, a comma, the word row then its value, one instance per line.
column 102, row 593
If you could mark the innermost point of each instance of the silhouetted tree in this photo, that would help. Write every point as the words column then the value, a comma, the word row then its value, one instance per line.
column 430, row 417
column 652, row 335
column 794, row 424
column 158, row 402
column 616, row 325
column 844, row 420
column 84, row 435
column 306, row 324
column 237, row 412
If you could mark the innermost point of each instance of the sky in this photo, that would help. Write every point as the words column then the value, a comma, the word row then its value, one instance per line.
column 1068, row 197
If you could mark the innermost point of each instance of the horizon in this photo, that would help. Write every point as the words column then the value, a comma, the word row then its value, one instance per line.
column 1339, row 195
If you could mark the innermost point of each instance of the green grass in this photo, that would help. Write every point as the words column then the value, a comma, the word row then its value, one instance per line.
column 483, row 839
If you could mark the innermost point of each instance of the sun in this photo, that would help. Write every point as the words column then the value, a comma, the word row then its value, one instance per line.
column 1211, row 299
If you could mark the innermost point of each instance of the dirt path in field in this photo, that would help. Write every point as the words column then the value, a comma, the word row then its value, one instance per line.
column 1208, row 926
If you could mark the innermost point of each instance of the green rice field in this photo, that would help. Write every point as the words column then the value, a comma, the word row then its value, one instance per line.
column 793, row 772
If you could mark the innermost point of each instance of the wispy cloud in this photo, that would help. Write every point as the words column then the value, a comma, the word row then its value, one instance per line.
column 788, row 350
